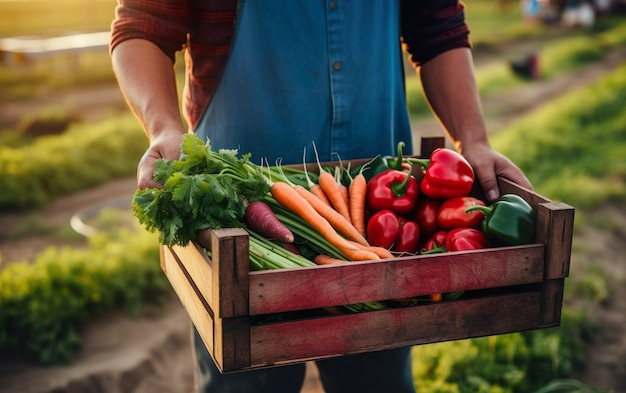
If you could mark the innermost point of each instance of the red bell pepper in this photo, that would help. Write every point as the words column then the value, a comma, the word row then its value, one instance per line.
column 409, row 237
column 393, row 190
column 465, row 239
column 452, row 213
column 436, row 243
column 447, row 174
column 425, row 214
column 388, row 230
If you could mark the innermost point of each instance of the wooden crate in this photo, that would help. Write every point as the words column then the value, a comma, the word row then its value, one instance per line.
column 508, row 289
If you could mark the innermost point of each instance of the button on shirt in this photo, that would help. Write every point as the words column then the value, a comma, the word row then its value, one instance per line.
column 311, row 72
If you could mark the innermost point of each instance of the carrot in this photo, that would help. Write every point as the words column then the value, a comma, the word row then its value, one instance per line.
column 287, row 196
column 260, row 218
column 343, row 190
column 382, row 252
column 332, row 190
column 316, row 189
column 322, row 259
column 357, row 190
column 436, row 297
column 335, row 219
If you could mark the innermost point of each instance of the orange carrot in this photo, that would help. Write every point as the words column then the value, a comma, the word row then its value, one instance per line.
column 339, row 222
column 315, row 189
column 436, row 297
column 332, row 190
column 323, row 259
column 345, row 194
column 382, row 252
column 357, row 190
column 287, row 196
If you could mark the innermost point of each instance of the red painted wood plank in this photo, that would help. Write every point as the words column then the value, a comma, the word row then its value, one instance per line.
column 393, row 328
column 334, row 285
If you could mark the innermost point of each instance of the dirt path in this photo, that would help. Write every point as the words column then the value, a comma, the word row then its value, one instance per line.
column 153, row 353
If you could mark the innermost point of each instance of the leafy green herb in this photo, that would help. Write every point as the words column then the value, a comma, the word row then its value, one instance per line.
column 202, row 189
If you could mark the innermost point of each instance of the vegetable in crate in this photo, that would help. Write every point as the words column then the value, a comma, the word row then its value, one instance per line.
column 398, row 162
column 436, row 243
column 425, row 214
column 202, row 189
column 466, row 239
column 388, row 230
column 260, row 218
column 509, row 221
column 453, row 213
column 392, row 190
column 447, row 174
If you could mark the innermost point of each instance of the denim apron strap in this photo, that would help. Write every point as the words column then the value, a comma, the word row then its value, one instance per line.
column 302, row 72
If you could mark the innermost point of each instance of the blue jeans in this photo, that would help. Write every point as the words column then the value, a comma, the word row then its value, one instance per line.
column 386, row 371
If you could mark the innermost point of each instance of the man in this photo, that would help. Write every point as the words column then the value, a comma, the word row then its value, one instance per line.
column 271, row 76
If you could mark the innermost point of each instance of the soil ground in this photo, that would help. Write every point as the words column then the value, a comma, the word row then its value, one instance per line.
column 153, row 353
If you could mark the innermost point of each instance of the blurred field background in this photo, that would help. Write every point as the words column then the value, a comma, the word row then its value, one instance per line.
column 62, row 119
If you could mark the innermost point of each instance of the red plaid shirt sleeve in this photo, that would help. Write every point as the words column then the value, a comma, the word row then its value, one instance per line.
column 205, row 28
column 432, row 27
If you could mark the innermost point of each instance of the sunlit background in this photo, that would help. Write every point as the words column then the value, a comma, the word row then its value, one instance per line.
column 74, row 263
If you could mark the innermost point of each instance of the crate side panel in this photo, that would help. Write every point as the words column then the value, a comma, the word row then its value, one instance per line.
column 232, row 343
column 508, row 187
column 552, row 301
column 231, row 266
column 393, row 328
column 430, row 144
column 198, row 311
column 350, row 283
column 199, row 268
column 555, row 226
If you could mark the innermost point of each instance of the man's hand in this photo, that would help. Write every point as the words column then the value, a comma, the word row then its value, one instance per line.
column 489, row 164
column 167, row 146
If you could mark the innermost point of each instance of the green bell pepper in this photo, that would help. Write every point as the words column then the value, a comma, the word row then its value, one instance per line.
column 509, row 221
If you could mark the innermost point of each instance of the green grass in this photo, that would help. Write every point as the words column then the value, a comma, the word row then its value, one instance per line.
column 509, row 363
column 485, row 17
column 573, row 148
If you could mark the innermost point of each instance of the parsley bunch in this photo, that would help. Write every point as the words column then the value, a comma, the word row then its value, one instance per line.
column 202, row 189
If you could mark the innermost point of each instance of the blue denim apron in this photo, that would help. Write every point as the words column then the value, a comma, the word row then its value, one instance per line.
column 302, row 72
column 299, row 73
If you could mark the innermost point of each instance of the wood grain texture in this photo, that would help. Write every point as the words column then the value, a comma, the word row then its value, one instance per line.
column 334, row 285
column 189, row 296
column 392, row 328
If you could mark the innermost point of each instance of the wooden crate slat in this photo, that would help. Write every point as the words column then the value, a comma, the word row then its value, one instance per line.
column 555, row 227
column 199, row 268
column 552, row 301
column 393, row 328
column 333, row 285
column 428, row 145
column 234, row 336
column 189, row 296
column 230, row 276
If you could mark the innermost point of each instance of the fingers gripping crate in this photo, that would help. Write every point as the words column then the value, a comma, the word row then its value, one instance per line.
column 507, row 289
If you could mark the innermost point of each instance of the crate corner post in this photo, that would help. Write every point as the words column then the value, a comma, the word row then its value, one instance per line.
column 231, row 298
